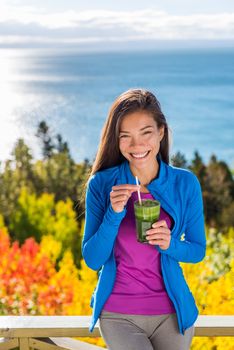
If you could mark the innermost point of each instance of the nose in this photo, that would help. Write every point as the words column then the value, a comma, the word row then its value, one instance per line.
column 135, row 141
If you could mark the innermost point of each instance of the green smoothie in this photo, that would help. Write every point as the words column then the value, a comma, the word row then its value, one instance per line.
column 145, row 215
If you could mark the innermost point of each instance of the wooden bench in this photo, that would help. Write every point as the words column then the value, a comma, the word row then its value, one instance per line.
column 51, row 332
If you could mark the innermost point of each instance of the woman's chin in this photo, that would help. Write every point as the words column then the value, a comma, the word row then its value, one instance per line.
column 146, row 163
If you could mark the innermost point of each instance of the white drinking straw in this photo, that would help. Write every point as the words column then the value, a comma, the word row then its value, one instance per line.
column 138, row 191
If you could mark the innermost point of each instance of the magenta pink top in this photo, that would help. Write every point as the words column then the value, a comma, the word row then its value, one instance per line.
column 139, row 288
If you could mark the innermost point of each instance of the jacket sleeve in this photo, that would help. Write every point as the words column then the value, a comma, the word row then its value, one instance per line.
column 101, row 227
column 193, row 248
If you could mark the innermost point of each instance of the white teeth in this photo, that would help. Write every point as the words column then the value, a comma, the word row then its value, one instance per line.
column 139, row 155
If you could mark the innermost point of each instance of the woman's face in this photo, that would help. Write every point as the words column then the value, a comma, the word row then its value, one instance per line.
column 139, row 138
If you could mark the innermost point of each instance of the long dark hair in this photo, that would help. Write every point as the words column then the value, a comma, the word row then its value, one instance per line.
column 108, row 154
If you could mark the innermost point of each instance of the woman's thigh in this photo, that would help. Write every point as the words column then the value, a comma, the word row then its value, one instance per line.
column 120, row 333
column 135, row 332
column 167, row 337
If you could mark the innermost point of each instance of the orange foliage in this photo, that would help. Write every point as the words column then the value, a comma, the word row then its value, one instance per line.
column 29, row 282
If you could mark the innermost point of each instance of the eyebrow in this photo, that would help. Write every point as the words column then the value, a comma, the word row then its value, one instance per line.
column 145, row 127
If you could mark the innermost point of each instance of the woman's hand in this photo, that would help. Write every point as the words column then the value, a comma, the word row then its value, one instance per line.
column 159, row 234
column 120, row 194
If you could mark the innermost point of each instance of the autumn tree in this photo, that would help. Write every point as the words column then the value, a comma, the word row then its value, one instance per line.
column 17, row 172
column 37, row 216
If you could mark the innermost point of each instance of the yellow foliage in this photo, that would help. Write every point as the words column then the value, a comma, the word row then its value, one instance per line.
column 213, row 291
column 212, row 288
column 50, row 247
column 210, row 281
column 3, row 228
column 220, row 295
column 88, row 279
column 64, row 225
column 81, row 283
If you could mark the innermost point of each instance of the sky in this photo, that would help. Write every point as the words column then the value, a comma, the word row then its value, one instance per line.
column 94, row 25
column 71, row 23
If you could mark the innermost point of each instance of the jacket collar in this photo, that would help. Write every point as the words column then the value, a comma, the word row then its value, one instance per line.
column 158, row 184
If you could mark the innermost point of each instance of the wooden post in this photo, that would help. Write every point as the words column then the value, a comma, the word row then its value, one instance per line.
column 24, row 344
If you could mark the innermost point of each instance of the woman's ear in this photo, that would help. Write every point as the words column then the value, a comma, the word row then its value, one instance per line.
column 161, row 133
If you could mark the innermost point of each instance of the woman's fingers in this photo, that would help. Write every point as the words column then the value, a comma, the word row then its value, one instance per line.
column 163, row 241
column 159, row 235
column 159, row 230
column 160, row 223
column 120, row 195
column 162, row 244
column 120, row 198
column 115, row 194
column 132, row 188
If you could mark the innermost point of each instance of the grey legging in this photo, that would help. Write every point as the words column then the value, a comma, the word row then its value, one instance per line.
column 137, row 332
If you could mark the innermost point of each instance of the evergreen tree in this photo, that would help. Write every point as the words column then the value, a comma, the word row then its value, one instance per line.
column 22, row 162
column 178, row 160
column 8, row 191
column 198, row 168
column 219, row 187
column 62, row 147
column 46, row 140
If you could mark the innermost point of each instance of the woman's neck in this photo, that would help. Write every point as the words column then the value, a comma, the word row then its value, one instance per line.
column 147, row 174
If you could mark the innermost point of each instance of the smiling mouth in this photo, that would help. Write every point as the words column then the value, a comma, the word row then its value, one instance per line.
column 139, row 155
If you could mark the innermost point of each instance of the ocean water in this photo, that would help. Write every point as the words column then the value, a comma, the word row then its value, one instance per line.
column 73, row 92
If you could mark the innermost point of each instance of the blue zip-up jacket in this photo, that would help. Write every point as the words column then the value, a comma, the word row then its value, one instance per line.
column 179, row 193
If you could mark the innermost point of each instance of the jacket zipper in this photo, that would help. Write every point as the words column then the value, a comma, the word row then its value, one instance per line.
column 163, row 270
column 171, row 296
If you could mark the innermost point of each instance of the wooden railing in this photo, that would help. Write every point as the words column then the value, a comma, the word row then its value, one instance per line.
column 49, row 332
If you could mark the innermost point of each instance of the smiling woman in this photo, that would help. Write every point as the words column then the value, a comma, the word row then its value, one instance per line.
column 142, row 299
column 140, row 145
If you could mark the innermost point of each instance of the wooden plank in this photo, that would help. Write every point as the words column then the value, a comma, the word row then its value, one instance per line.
column 44, row 321
column 53, row 332
column 214, row 326
column 61, row 344
column 39, row 344
column 46, row 326
column 7, row 344
column 73, row 344
column 78, row 326
column 24, row 344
